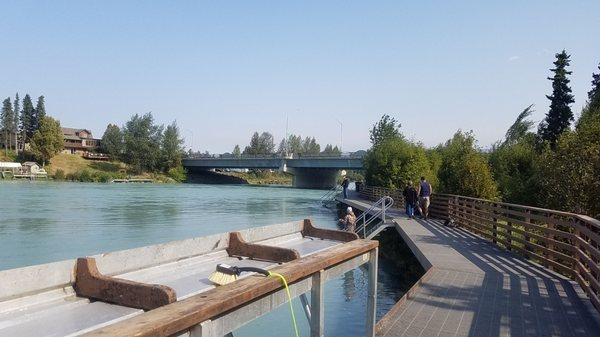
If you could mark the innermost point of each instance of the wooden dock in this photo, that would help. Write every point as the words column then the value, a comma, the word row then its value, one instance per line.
column 473, row 288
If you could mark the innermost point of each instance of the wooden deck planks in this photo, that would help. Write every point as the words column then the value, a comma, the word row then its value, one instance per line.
column 476, row 289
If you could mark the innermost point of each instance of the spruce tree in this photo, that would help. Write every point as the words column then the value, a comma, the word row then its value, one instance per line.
column 17, row 111
column 594, row 94
column 40, row 112
column 559, row 117
column 6, row 122
column 27, row 119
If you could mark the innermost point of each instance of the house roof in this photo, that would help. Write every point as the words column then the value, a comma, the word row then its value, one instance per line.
column 73, row 131
column 72, row 137
column 5, row 164
column 30, row 163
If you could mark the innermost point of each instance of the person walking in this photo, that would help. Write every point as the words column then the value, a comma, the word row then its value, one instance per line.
column 345, row 184
column 349, row 221
column 425, row 192
column 410, row 199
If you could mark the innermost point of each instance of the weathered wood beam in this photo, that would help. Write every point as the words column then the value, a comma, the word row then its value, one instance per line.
column 90, row 283
column 239, row 247
column 330, row 234
column 182, row 315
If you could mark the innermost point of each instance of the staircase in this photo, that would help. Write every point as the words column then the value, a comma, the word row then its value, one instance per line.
column 372, row 221
column 328, row 199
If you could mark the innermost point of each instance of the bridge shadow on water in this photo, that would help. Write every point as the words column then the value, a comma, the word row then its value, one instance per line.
column 491, row 292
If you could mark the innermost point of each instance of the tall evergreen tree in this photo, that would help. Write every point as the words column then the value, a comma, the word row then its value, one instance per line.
column 171, row 147
column 27, row 119
column 236, row 151
column 40, row 111
column 594, row 94
column 6, row 123
column 17, row 112
column 559, row 117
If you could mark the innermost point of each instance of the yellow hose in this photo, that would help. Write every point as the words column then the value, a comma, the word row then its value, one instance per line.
column 290, row 300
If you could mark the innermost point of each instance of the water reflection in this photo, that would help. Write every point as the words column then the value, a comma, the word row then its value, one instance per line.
column 349, row 285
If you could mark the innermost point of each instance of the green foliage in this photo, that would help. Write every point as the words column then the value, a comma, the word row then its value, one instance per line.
column 262, row 144
column 178, row 173
column 569, row 176
column 59, row 175
column 47, row 141
column 142, row 140
column 15, row 126
column 331, row 150
column 112, row 141
column 464, row 170
column 310, row 146
column 28, row 123
column 236, row 151
column 387, row 128
column 560, row 116
column 39, row 112
column 514, row 167
column 172, row 147
column 394, row 162
column 520, row 127
column 594, row 93
column 6, row 122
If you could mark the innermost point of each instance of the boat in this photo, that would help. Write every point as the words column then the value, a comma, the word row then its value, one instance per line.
column 164, row 289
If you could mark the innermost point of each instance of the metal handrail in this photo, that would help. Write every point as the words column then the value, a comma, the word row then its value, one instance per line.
column 376, row 211
column 330, row 195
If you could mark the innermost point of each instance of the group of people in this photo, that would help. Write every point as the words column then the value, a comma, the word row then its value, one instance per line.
column 417, row 199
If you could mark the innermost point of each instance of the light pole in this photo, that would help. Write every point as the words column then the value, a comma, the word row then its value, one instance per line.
column 341, row 134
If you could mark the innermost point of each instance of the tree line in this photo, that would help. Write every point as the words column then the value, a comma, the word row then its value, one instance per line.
column 28, row 128
column 146, row 146
column 19, row 120
column 556, row 166
column 264, row 144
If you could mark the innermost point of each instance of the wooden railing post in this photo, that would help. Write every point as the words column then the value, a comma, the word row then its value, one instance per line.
column 494, row 226
column 509, row 234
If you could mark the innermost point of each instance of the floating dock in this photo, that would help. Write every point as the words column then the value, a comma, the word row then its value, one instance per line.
column 163, row 290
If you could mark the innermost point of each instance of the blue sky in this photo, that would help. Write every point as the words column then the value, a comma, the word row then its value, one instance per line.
column 225, row 69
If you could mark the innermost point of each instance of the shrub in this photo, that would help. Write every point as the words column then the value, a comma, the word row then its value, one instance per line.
column 59, row 175
column 394, row 162
column 177, row 173
column 464, row 170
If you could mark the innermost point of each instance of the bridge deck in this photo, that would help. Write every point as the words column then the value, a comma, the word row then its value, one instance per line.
column 473, row 288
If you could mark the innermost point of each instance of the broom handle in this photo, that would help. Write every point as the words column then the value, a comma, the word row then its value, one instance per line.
column 254, row 269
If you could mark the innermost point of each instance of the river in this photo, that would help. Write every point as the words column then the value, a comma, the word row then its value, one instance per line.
column 46, row 221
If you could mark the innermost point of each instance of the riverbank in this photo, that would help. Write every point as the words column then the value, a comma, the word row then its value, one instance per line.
column 72, row 167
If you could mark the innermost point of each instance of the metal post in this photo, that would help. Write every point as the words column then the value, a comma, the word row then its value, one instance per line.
column 305, row 306
column 317, row 314
column 372, row 293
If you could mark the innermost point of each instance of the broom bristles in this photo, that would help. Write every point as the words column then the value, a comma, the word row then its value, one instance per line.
column 224, row 274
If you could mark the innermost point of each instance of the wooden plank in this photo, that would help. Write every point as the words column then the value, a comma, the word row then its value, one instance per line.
column 329, row 234
column 184, row 314
column 90, row 283
column 239, row 247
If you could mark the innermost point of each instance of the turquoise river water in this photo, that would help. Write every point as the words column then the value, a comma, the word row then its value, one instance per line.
column 44, row 221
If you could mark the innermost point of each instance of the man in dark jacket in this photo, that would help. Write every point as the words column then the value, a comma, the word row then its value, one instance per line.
column 410, row 199
column 345, row 184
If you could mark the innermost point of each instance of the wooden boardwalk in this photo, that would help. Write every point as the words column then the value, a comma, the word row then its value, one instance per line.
column 473, row 288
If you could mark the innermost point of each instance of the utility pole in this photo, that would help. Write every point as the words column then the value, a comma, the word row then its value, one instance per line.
column 341, row 134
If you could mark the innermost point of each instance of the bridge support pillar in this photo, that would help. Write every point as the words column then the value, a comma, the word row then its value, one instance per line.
column 314, row 177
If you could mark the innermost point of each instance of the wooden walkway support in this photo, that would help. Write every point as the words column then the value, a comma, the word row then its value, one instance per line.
column 475, row 288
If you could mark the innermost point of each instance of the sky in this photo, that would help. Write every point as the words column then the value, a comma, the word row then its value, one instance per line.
column 224, row 69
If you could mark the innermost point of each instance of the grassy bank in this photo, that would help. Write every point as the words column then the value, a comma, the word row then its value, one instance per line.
column 263, row 177
column 76, row 168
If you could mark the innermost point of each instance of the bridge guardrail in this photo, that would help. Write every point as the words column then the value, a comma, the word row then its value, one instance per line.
column 565, row 242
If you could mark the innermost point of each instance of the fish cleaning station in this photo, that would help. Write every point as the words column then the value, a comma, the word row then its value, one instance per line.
column 173, row 289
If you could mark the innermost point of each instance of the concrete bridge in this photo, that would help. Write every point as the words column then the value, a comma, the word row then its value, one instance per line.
column 308, row 172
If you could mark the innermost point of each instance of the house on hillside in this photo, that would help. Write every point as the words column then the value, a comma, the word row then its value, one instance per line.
column 79, row 141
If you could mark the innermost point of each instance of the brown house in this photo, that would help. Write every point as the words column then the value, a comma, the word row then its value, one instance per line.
column 79, row 141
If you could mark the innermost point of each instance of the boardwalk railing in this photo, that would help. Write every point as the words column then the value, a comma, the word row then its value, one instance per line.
column 565, row 242
column 375, row 193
